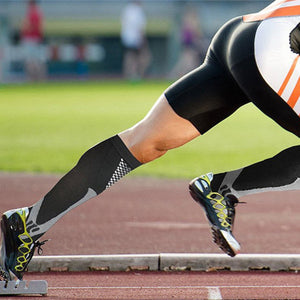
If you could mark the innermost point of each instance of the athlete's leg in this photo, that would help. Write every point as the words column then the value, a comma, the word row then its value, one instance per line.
column 279, row 173
column 99, row 168
column 107, row 162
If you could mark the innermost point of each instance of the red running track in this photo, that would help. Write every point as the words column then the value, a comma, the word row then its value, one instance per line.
column 170, row 285
column 159, row 216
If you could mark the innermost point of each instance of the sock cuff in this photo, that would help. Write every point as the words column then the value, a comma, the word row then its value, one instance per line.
column 124, row 152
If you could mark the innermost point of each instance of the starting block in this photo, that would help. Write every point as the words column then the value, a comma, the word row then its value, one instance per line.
column 24, row 288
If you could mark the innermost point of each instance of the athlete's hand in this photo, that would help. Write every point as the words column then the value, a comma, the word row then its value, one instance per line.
column 295, row 39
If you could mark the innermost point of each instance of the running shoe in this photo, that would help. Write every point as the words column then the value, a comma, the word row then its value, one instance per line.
column 219, row 210
column 17, row 246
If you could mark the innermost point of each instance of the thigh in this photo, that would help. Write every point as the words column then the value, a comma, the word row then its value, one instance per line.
column 207, row 95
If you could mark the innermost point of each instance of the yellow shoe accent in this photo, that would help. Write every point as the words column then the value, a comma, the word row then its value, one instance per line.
column 25, row 247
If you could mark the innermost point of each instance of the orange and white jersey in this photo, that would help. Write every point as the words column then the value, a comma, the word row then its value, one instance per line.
column 278, row 8
column 278, row 65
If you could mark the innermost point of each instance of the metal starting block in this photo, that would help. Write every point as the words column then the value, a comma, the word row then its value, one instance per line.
column 23, row 287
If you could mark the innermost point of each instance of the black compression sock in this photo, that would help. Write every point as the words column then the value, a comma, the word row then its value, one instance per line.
column 279, row 173
column 99, row 168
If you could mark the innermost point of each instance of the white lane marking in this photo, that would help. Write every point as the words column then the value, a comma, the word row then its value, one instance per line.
column 175, row 287
column 214, row 293
column 167, row 225
column 125, row 287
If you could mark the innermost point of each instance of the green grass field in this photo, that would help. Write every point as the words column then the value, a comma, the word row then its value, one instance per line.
column 46, row 127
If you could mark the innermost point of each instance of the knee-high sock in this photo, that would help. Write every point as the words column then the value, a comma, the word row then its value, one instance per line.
column 98, row 168
column 279, row 173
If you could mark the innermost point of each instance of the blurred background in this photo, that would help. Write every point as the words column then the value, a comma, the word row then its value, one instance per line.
column 89, row 39
column 68, row 78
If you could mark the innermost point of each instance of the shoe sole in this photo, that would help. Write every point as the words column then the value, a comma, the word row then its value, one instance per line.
column 224, row 239
column 226, row 242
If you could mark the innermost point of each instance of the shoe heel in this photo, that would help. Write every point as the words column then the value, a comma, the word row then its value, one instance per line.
column 194, row 192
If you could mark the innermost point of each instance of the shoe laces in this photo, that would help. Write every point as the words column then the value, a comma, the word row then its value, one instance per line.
column 4, row 276
column 39, row 245
column 231, row 203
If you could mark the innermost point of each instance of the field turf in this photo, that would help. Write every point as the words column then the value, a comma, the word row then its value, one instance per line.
column 46, row 127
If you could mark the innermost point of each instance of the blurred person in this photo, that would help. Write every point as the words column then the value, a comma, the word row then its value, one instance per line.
column 13, row 55
column 32, row 38
column 191, row 44
column 82, row 68
column 133, row 36
column 253, row 58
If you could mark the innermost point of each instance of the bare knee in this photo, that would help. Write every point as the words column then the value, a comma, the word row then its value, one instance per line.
column 161, row 130
column 144, row 149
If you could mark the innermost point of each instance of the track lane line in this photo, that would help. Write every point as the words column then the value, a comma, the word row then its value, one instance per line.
column 174, row 287
column 214, row 293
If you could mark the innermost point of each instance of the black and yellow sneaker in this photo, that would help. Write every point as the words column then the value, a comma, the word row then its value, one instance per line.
column 17, row 246
column 219, row 210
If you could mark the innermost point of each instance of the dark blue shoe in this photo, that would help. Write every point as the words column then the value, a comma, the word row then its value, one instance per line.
column 17, row 246
column 219, row 210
